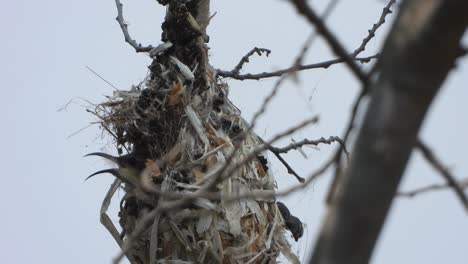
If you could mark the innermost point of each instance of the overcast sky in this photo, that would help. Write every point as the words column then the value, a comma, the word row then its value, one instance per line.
column 49, row 215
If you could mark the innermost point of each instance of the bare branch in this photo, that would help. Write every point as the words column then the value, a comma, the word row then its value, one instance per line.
column 246, row 57
column 289, row 169
column 371, row 33
column 123, row 25
column 433, row 187
column 439, row 167
column 285, row 164
column 304, row 9
column 263, row 75
column 277, row 151
column 304, row 142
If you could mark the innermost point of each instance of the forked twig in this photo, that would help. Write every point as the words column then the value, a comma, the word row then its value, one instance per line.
column 246, row 57
column 278, row 151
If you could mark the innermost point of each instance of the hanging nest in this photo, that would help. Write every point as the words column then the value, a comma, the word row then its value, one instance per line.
column 192, row 140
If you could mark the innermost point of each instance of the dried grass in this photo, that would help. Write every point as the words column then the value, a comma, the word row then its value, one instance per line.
column 190, row 135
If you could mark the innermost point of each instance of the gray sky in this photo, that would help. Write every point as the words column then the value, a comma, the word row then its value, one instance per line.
column 51, row 216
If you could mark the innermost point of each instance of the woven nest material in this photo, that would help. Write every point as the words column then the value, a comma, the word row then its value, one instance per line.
column 182, row 124
column 207, row 128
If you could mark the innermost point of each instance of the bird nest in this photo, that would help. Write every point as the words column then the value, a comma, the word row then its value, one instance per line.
column 200, row 147
column 202, row 191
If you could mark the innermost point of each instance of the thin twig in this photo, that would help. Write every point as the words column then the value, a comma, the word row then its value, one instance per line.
column 263, row 75
column 304, row 9
column 65, row 106
column 289, row 169
column 265, row 146
column 277, row 151
column 245, row 59
column 433, row 187
column 371, row 33
column 303, row 142
column 438, row 166
column 123, row 25
column 100, row 77
column 81, row 129
column 225, row 173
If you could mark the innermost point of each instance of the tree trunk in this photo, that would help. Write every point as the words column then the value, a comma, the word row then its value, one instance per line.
column 418, row 54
